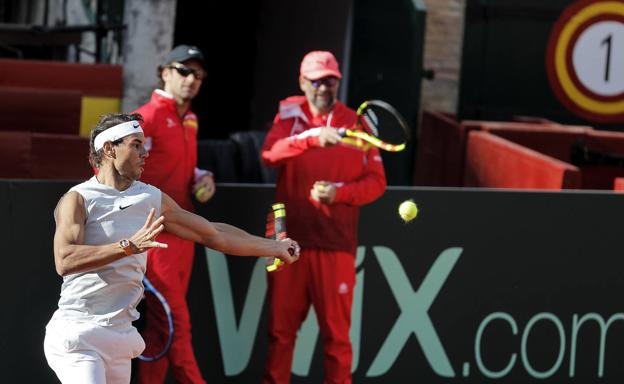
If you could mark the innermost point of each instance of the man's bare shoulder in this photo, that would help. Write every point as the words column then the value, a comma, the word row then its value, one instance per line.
column 69, row 202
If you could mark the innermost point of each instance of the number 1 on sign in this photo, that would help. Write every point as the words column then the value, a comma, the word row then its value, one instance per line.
column 607, row 41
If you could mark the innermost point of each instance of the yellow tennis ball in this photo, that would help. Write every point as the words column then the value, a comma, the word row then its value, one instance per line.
column 202, row 195
column 408, row 210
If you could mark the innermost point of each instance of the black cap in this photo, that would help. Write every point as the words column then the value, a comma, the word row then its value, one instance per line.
column 182, row 53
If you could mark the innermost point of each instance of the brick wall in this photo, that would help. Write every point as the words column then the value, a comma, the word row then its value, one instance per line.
column 443, row 46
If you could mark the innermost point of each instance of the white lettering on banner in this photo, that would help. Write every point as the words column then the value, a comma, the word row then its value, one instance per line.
column 237, row 342
column 237, row 338
column 560, row 340
column 414, row 316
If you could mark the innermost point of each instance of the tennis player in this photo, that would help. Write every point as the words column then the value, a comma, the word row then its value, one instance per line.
column 104, row 227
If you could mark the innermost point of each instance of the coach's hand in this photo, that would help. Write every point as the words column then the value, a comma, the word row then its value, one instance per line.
column 204, row 189
column 328, row 136
column 323, row 192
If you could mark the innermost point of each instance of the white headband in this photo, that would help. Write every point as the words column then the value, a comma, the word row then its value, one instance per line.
column 116, row 132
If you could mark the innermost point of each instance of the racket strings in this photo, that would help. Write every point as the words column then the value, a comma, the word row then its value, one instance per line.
column 162, row 310
column 388, row 128
column 372, row 121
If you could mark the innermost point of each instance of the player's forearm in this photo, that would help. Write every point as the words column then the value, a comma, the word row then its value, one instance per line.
column 222, row 237
column 72, row 258
column 234, row 241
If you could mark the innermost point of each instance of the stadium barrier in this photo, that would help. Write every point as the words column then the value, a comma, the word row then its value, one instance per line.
column 598, row 155
column 494, row 162
column 483, row 286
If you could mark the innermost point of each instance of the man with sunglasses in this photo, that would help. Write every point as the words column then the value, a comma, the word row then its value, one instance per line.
column 323, row 180
column 171, row 138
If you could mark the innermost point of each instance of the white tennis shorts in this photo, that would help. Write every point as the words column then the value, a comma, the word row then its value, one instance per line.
column 84, row 353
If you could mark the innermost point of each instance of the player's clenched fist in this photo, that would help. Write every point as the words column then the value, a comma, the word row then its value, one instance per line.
column 288, row 250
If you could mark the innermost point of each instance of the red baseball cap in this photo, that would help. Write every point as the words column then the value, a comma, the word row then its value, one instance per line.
column 318, row 64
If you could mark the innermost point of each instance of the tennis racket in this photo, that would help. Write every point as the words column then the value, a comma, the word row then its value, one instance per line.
column 149, row 288
column 380, row 125
column 276, row 230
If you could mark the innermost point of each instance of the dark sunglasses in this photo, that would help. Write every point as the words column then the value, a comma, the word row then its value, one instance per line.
column 329, row 82
column 185, row 71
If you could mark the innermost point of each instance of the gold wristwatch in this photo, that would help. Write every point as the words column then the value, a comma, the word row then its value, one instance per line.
column 126, row 246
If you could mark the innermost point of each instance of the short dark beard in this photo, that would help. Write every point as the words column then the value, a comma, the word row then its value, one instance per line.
column 325, row 105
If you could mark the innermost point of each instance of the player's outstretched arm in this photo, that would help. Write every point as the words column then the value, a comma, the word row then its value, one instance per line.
column 223, row 237
column 71, row 255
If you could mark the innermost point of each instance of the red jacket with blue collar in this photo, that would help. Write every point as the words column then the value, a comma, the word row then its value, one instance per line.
column 292, row 144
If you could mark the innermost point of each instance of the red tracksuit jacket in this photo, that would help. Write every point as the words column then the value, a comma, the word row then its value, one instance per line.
column 172, row 145
column 293, row 145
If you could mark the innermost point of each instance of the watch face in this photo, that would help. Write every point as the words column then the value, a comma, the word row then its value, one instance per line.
column 124, row 243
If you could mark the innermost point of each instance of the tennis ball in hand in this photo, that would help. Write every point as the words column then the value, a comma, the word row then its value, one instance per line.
column 321, row 186
column 202, row 195
column 408, row 210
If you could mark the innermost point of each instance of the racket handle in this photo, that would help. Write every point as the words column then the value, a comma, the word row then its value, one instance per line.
column 279, row 233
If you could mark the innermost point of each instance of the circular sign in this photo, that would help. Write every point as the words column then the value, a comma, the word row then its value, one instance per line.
column 585, row 60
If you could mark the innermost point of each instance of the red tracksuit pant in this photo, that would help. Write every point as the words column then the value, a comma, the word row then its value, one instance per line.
column 324, row 279
column 169, row 270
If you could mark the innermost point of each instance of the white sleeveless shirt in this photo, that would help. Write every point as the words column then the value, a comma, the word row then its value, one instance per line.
column 108, row 295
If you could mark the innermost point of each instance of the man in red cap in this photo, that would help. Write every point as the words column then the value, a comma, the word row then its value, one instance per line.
column 171, row 139
column 323, row 180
